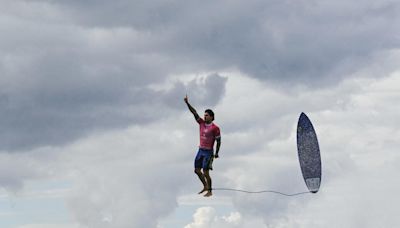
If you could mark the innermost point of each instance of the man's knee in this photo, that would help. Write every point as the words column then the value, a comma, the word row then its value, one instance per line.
column 198, row 171
column 206, row 173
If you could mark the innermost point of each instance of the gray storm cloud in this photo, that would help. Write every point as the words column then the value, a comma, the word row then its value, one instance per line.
column 56, row 113
column 63, row 82
column 65, row 77
column 302, row 42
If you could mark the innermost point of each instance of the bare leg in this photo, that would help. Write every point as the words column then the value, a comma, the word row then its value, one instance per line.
column 202, row 179
column 208, row 180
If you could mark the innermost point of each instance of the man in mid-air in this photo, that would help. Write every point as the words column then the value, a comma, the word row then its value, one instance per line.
column 209, row 133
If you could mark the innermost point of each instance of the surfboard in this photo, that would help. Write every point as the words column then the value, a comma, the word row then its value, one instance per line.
column 309, row 154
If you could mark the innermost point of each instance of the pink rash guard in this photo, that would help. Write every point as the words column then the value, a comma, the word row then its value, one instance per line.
column 208, row 134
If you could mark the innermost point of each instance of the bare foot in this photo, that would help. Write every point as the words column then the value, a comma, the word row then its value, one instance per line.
column 204, row 189
column 208, row 194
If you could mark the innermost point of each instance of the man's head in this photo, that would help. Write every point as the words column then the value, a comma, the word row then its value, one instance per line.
column 208, row 116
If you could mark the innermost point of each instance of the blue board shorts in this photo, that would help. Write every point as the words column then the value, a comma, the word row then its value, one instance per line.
column 204, row 159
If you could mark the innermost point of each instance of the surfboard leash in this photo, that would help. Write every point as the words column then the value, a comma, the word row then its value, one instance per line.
column 258, row 192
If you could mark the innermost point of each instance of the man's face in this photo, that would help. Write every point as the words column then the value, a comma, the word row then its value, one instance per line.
column 207, row 118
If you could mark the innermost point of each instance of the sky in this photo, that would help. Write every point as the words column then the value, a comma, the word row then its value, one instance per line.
column 94, row 132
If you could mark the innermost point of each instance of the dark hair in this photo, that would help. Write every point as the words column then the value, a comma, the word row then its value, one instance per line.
column 210, row 112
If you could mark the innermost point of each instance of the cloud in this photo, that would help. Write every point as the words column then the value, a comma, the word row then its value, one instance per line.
column 135, row 175
column 55, row 112
column 306, row 42
column 91, row 68
column 355, row 130
column 15, row 169
column 50, row 226
column 206, row 217
column 130, row 177
column 67, row 81
column 92, row 93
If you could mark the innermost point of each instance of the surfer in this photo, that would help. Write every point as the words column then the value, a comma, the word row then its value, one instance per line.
column 209, row 133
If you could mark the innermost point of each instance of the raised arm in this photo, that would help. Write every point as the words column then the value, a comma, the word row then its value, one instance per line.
column 192, row 110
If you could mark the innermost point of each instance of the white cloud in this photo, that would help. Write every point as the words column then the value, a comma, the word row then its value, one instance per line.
column 50, row 226
column 141, row 174
column 207, row 217
column 357, row 131
column 131, row 177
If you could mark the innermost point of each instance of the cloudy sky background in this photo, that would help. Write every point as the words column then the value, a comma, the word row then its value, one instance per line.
column 94, row 131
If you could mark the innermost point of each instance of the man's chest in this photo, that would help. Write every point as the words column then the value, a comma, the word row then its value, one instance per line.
column 207, row 131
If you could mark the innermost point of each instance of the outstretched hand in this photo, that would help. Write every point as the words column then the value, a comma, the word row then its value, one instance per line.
column 186, row 99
